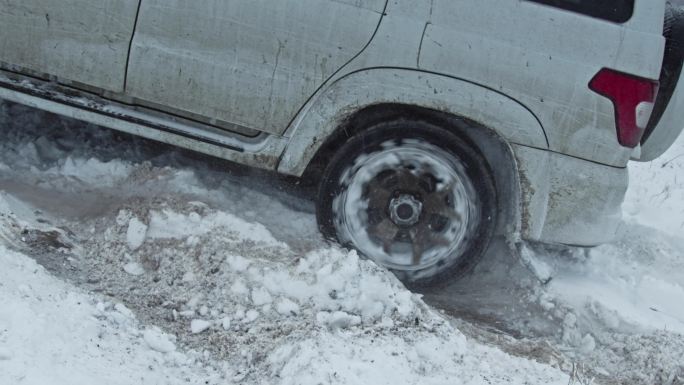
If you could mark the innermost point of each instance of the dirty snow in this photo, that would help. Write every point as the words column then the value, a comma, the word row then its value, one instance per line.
column 656, row 195
column 53, row 333
column 619, row 306
column 159, row 266
column 190, row 277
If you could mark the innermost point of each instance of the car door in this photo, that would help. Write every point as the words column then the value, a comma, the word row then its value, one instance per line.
column 81, row 41
column 253, row 63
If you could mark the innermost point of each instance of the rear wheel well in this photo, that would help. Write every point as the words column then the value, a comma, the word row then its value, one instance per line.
column 357, row 122
column 495, row 149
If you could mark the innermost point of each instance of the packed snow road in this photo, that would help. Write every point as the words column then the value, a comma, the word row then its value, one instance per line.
column 127, row 261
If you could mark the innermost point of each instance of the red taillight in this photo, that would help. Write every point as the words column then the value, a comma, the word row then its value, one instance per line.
column 633, row 98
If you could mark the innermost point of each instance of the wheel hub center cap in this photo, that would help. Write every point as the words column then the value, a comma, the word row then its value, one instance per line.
column 405, row 210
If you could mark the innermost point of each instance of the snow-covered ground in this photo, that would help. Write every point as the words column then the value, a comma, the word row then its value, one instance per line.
column 123, row 261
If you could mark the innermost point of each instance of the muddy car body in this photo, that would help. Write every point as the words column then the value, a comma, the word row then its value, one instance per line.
column 539, row 105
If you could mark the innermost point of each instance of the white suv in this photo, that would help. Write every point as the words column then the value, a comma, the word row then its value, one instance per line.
column 432, row 125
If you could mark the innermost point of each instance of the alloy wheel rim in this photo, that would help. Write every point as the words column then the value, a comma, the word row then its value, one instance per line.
column 410, row 207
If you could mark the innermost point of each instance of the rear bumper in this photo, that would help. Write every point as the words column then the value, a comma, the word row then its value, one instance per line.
column 566, row 200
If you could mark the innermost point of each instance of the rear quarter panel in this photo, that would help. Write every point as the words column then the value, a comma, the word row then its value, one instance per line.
column 545, row 58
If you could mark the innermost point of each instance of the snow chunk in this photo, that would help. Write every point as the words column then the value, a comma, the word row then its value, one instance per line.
column 337, row 320
column 194, row 301
column 238, row 287
column 136, row 233
column 94, row 171
column 122, row 315
column 169, row 224
column 588, row 344
column 187, row 313
column 539, row 268
column 134, row 268
column 287, row 307
column 158, row 340
column 237, row 263
column 225, row 323
column 198, row 326
column 261, row 296
column 123, row 310
column 332, row 280
column 386, row 322
column 189, row 276
column 251, row 316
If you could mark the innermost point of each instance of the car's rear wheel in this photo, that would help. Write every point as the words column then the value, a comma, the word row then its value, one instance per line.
column 411, row 196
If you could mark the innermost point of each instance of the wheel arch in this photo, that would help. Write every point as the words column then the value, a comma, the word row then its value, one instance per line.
column 331, row 108
column 496, row 151
column 375, row 95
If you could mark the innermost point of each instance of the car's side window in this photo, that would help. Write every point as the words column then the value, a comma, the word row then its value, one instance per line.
column 618, row 11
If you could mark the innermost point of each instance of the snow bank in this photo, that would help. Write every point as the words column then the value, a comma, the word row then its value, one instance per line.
column 327, row 315
column 619, row 306
column 656, row 193
column 50, row 333
column 265, row 315
column 639, row 279
column 440, row 358
column 631, row 282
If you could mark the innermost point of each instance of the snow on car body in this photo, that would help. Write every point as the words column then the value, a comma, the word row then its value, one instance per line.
column 542, row 103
